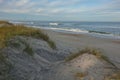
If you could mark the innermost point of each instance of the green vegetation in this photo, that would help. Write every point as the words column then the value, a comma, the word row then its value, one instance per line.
column 14, row 43
column 9, row 31
column 95, row 52
column 52, row 44
column 5, row 67
column 72, row 56
column 2, row 57
column 3, row 22
column 29, row 50
column 114, row 76
column 79, row 53
column 18, row 42
column 80, row 75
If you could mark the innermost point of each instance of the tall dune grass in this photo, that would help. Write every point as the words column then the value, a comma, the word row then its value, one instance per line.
column 92, row 51
column 3, row 22
column 10, row 31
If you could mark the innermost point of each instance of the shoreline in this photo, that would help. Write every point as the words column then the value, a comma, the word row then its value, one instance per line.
column 90, row 33
column 57, row 55
column 76, row 42
column 79, row 34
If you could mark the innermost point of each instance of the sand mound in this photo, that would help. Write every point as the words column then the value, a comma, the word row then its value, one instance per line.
column 84, row 67
column 30, row 58
column 33, row 59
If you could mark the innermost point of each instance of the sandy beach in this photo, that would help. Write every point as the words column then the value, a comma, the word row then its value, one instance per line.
column 36, row 53
column 76, row 42
column 59, row 39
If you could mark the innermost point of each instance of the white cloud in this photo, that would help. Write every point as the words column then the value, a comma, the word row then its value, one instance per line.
column 1, row 1
column 21, row 2
column 60, row 3
column 16, row 11
column 64, row 8
column 17, row 6
column 39, row 10
column 57, row 10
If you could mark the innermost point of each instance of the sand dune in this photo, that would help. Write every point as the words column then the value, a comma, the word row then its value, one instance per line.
column 46, row 63
column 76, row 42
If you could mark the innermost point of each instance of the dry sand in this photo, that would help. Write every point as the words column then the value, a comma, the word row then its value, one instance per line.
column 76, row 42
column 50, row 64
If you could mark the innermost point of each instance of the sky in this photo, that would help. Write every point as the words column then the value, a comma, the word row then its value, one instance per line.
column 60, row 10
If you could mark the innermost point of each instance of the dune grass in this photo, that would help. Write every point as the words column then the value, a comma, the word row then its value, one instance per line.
column 29, row 50
column 86, row 50
column 80, row 75
column 92, row 51
column 113, row 76
column 3, row 22
column 7, row 32
column 2, row 57
column 5, row 67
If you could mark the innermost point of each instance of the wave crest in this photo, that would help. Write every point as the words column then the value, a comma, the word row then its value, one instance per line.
column 55, row 24
column 68, row 30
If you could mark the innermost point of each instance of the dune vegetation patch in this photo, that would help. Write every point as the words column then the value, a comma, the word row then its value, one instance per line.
column 92, row 51
column 2, row 57
column 8, row 32
column 114, row 76
column 5, row 67
column 80, row 76
column 3, row 22
column 29, row 50
column 86, row 50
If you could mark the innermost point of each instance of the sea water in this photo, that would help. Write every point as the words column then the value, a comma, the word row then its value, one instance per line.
column 97, row 29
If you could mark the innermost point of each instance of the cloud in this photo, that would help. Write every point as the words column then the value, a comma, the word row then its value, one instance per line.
column 65, row 8
column 1, row 1
column 39, row 10
column 61, row 3
column 21, row 2
column 17, row 6
column 53, row 6
column 16, row 11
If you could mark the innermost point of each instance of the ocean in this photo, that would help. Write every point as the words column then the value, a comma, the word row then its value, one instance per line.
column 97, row 29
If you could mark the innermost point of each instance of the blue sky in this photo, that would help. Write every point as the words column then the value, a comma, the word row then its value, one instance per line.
column 60, row 10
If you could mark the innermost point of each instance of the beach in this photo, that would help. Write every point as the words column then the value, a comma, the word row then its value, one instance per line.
column 29, row 53
column 76, row 42
column 59, row 39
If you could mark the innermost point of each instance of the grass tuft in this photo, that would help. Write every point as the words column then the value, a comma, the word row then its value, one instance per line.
column 92, row 51
column 114, row 76
column 2, row 57
column 3, row 22
column 5, row 67
column 72, row 56
column 80, row 76
column 9, row 31
column 29, row 50
column 52, row 44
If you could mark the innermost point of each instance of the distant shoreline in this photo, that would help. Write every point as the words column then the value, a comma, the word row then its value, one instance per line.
column 90, row 33
column 109, row 30
column 76, row 42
